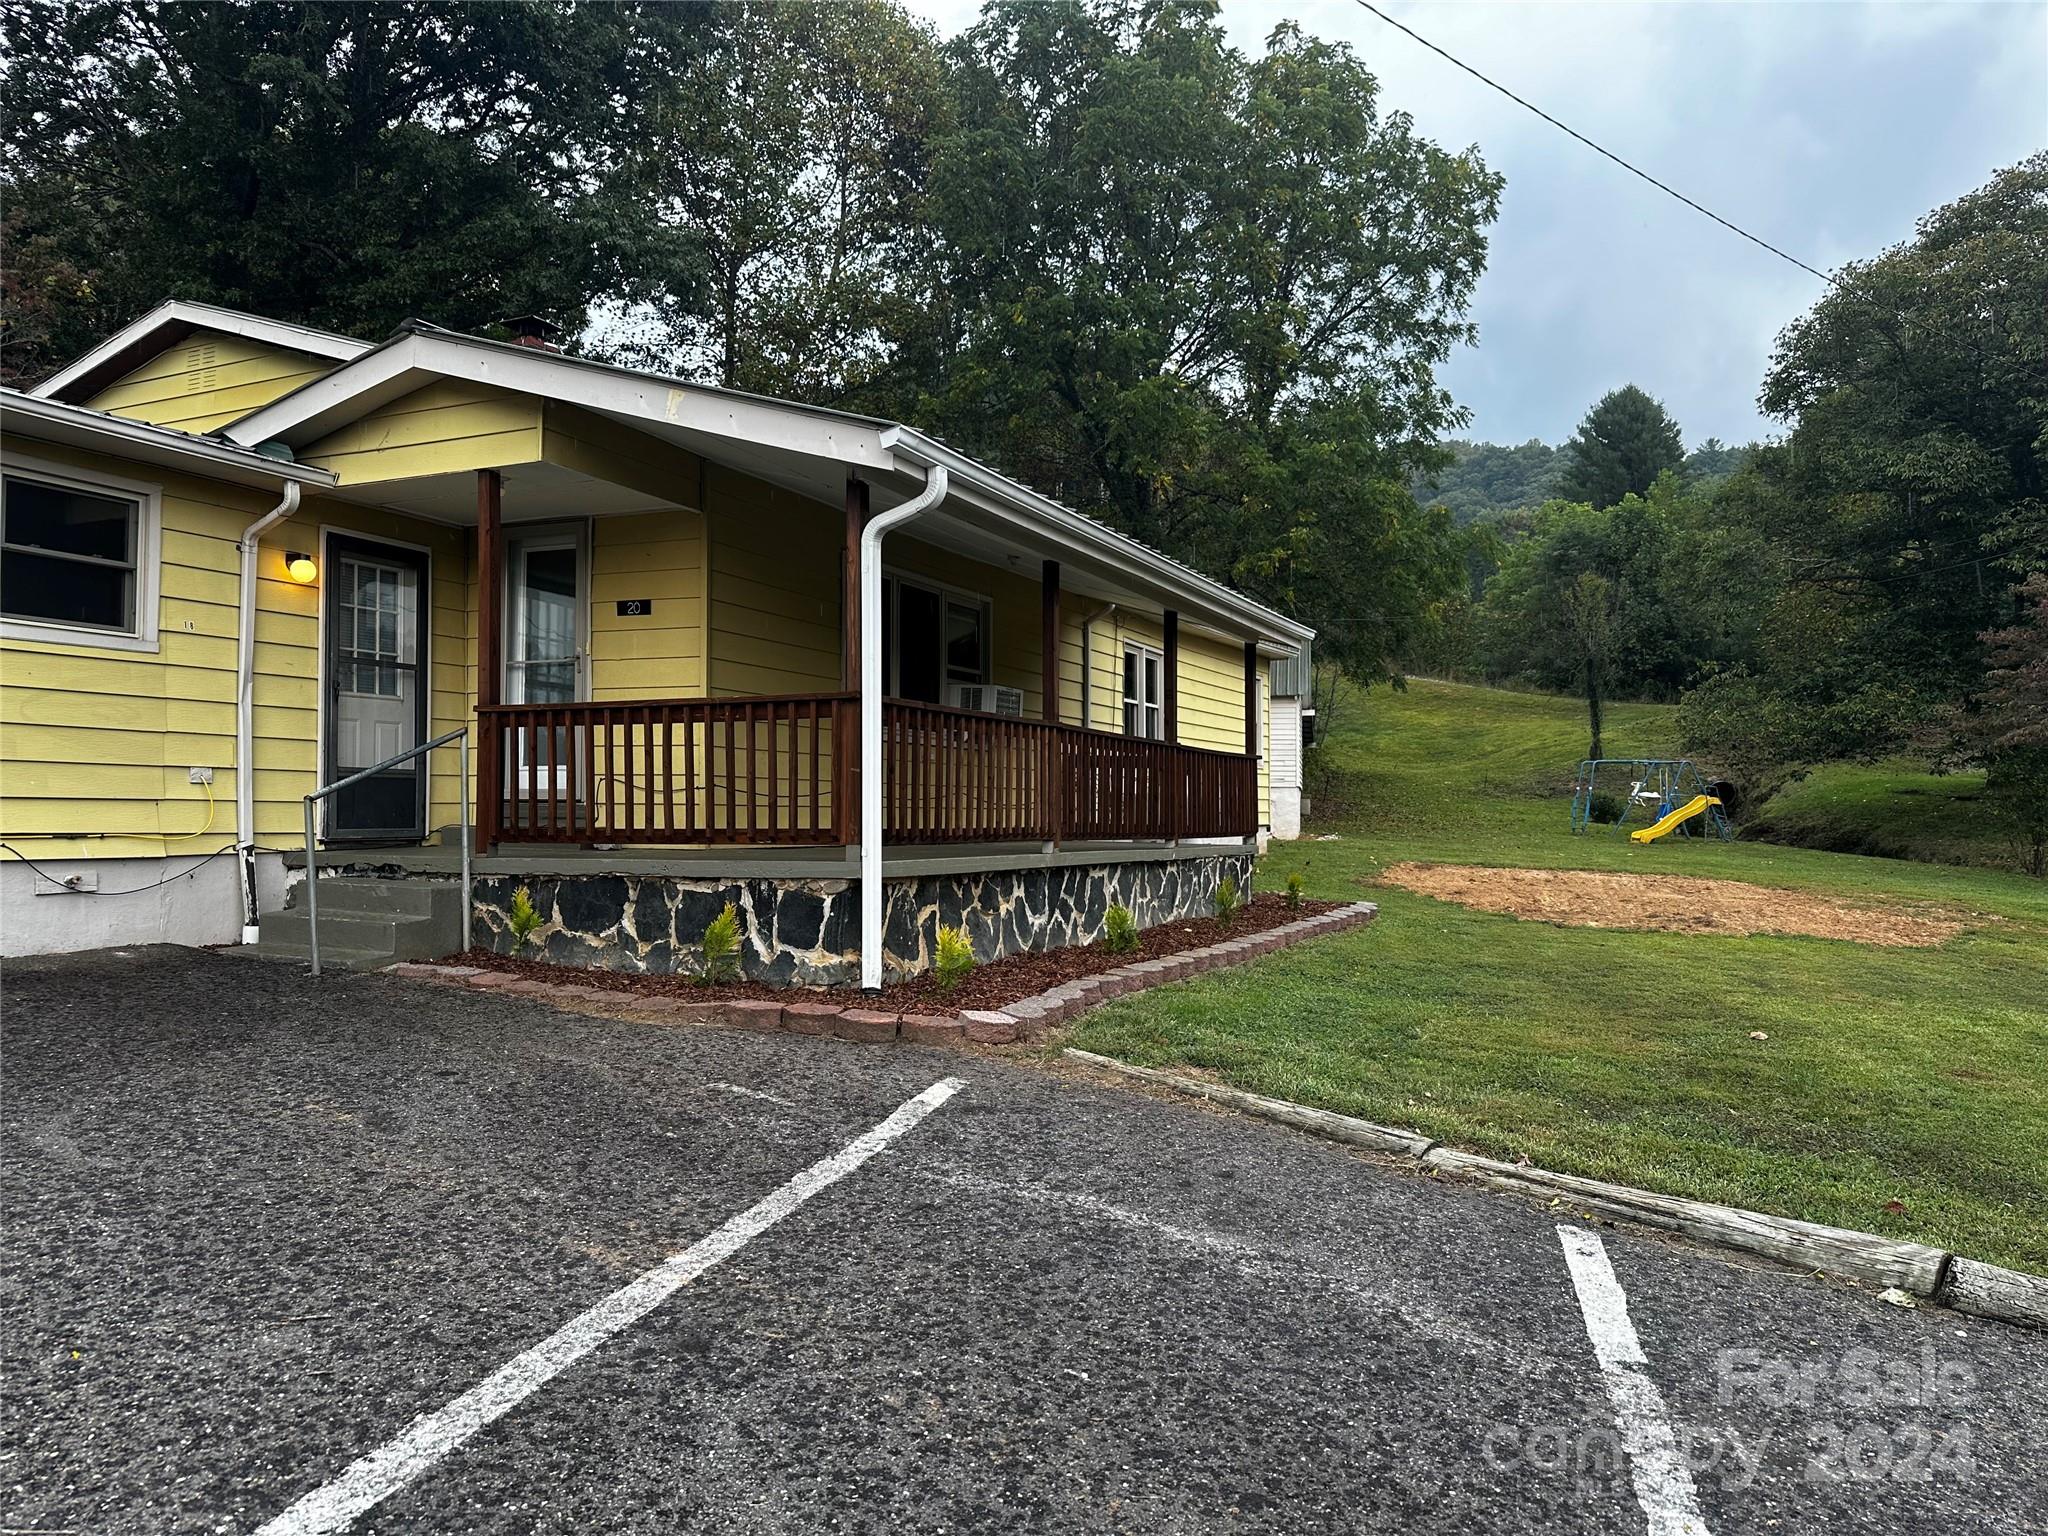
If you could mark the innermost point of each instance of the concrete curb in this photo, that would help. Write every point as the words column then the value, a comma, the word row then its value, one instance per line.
column 1946, row 1279
column 1027, row 1019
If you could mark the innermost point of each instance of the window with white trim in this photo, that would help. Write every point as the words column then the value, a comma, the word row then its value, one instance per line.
column 1144, row 693
column 76, row 559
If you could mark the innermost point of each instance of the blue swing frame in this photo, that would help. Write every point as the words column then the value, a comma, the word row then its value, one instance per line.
column 1667, row 783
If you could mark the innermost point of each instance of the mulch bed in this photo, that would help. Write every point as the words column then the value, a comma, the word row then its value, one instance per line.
column 986, row 986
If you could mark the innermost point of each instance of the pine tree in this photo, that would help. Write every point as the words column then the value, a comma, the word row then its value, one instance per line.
column 1624, row 443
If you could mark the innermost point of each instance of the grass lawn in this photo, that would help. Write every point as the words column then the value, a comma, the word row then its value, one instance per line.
column 1914, row 1078
column 1896, row 810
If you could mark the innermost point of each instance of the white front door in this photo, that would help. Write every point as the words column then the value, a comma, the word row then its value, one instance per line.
column 545, row 661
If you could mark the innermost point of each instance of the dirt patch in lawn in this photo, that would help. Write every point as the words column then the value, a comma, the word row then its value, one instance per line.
column 1579, row 898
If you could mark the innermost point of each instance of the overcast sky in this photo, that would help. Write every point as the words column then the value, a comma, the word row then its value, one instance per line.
column 1827, row 128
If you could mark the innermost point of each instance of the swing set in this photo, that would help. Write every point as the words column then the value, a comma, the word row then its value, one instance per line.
column 1665, row 795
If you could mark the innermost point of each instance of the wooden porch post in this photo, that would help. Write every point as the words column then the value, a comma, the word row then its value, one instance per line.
column 849, row 599
column 490, row 665
column 1049, row 642
column 846, row 743
column 1172, row 667
column 1176, row 785
column 1251, row 698
column 1054, row 767
column 1251, row 730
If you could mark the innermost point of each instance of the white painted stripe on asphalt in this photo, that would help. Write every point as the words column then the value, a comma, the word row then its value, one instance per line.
column 432, row 1436
column 1662, row 1480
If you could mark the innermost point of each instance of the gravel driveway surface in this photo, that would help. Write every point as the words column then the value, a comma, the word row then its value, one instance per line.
column 255, row 1227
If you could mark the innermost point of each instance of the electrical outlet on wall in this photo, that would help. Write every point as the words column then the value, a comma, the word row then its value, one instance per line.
column 199, row 776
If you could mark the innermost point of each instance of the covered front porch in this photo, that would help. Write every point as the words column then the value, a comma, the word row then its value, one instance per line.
column 783, row 769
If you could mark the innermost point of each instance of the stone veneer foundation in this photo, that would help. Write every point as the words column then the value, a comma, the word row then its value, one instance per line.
column 805, row 932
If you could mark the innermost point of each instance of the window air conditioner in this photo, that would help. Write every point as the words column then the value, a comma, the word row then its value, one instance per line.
column 987, row 699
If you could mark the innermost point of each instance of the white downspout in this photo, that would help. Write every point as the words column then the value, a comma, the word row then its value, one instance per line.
column 245, row 706
column 871, row 717
column 1088, row 663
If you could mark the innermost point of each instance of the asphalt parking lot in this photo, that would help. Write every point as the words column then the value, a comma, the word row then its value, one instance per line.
column 385, row 1257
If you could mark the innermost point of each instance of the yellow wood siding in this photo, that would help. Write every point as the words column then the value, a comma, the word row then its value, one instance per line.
column 99, row 741
column 207, row 381
column 774, row 585
column 608, row 450
column 658, row 655
column 442, row 428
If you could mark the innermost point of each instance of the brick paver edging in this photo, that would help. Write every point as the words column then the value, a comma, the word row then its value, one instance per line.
column 1027, row 1019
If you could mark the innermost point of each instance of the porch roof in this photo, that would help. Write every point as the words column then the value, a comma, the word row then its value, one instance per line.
column 804, row 448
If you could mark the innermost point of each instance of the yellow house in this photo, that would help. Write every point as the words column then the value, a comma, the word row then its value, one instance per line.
column 693, row 646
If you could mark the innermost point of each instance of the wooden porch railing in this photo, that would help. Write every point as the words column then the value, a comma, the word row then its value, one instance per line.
column 780, row 770
column 741, row 770
column 953, row 776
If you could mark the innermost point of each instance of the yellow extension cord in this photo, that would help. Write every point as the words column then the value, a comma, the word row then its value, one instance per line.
column 212, row 809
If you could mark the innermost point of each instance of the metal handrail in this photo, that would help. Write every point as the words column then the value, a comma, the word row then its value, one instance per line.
column 459, row 734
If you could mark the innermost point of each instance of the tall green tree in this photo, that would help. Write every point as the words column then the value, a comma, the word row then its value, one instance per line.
column 1910, row 499
column 1636, row 600
column 786, row 153
column 1203, row 296
column 1623, row 445
column 2006, row 726
column 342, row 165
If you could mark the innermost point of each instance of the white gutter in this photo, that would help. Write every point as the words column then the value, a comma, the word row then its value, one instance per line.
column 933, row 493
column 245, row 707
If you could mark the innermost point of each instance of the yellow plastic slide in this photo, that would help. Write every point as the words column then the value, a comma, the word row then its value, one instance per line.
column 1684, row 813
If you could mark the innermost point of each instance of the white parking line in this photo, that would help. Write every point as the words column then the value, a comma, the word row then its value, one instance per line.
column 1663, row 1483
column 432, row 1436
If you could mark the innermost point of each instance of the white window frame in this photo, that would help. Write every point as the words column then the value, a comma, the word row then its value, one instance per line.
column 1152, row 711
column 143, row 636
column 946, row 593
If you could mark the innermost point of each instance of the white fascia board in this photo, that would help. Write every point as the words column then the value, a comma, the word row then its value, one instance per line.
column 206, row 317
column 1167, row 578
column 399, row 366
column 53, row 421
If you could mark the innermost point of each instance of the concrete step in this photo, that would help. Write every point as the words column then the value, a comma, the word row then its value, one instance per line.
column 397, row 935
column 331, row 959
column 370, row 895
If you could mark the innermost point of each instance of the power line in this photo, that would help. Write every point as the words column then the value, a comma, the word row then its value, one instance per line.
column 1565, row 128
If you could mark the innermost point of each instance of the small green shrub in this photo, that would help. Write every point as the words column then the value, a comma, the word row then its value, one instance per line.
column 1119, row 931
column 722, row 946
column 1295, row 887
column 955, row 958
column 1604, row 809
column 524, row 918
column 1226, row 899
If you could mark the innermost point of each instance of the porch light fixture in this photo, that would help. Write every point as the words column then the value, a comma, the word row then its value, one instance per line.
column 303, row 569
